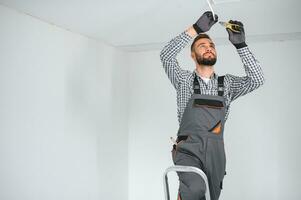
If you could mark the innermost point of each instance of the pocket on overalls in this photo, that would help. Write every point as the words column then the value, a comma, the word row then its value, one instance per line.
column 173, row 153
column 217, row 128
column 180, row 139
column 208, row 103
column 211, row 114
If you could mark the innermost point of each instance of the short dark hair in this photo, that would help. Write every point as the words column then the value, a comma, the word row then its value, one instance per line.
column 200, row 36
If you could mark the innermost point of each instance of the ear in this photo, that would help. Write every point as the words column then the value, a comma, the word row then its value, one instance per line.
column 192, row 55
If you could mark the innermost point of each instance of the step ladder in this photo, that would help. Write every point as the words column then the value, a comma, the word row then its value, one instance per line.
column 180, row 168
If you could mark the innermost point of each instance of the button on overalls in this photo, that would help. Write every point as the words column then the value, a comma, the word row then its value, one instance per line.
column 200, row 144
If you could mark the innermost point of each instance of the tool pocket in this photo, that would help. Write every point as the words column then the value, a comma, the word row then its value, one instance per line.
column 180, row 139
column 173, row 153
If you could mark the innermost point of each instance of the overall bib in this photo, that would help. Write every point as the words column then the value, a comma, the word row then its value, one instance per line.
column 200, row 144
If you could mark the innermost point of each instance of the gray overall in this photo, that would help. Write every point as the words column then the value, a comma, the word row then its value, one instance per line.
column 200, row 144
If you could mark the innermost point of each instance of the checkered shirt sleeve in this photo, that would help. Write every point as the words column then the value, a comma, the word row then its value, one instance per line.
column 169, row 61
column 254, row 78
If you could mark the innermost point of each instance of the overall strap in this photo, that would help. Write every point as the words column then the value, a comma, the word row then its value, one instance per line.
column 196, row 85
column 220, row 87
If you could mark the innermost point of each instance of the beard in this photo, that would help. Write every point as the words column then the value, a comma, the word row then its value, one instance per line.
column 205, row 61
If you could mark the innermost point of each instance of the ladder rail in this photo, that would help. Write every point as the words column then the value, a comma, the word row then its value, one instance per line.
column 181, row 168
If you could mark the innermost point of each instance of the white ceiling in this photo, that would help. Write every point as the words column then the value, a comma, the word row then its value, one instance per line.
column 147, row 24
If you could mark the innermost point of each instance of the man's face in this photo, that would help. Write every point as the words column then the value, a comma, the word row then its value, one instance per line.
column 204, row 52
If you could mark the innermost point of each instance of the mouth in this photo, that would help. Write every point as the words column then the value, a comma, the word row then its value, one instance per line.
column 209, row 54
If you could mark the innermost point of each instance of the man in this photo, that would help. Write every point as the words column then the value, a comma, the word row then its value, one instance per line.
column 203, row 101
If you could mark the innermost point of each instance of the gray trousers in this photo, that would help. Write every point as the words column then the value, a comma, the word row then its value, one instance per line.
column 192, row 186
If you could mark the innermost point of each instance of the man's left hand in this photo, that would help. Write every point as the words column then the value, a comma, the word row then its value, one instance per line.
column 237, row 38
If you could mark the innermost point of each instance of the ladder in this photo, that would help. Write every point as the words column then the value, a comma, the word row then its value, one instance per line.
column 180, row 168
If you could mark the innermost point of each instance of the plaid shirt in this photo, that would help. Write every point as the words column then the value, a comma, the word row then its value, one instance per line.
column 182, row 80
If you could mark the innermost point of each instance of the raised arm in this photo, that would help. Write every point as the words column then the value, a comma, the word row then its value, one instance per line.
column 170, row 51
column 254, row 78
column 169, row 54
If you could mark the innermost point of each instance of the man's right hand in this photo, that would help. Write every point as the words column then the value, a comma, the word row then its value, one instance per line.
column 205, row 22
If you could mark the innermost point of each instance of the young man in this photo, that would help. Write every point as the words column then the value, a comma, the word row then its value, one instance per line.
column 203, row 101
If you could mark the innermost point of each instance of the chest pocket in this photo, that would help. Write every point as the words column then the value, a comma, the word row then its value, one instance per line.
column 209, row 114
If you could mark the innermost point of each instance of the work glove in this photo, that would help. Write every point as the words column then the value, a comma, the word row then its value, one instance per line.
column 205, row 22
column 237, row 39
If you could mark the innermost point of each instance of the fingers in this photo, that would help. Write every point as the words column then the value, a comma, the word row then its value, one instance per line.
column 240, row 26
column 216, row 18
column 210, row 16
column 208, row 13
column 239, row 23
column 236, row 22
column 236, row 28
column 229, row 31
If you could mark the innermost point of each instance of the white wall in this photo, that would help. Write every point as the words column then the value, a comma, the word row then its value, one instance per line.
column 64, row 119
column 63, row 123
column 262, row 132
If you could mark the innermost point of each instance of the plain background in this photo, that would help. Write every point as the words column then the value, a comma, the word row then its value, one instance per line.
column 63, row 123
column 82, row 120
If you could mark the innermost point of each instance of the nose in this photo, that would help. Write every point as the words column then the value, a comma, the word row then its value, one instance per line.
column 209, row 50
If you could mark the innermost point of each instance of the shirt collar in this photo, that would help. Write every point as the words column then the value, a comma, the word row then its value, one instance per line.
column 213, row 76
